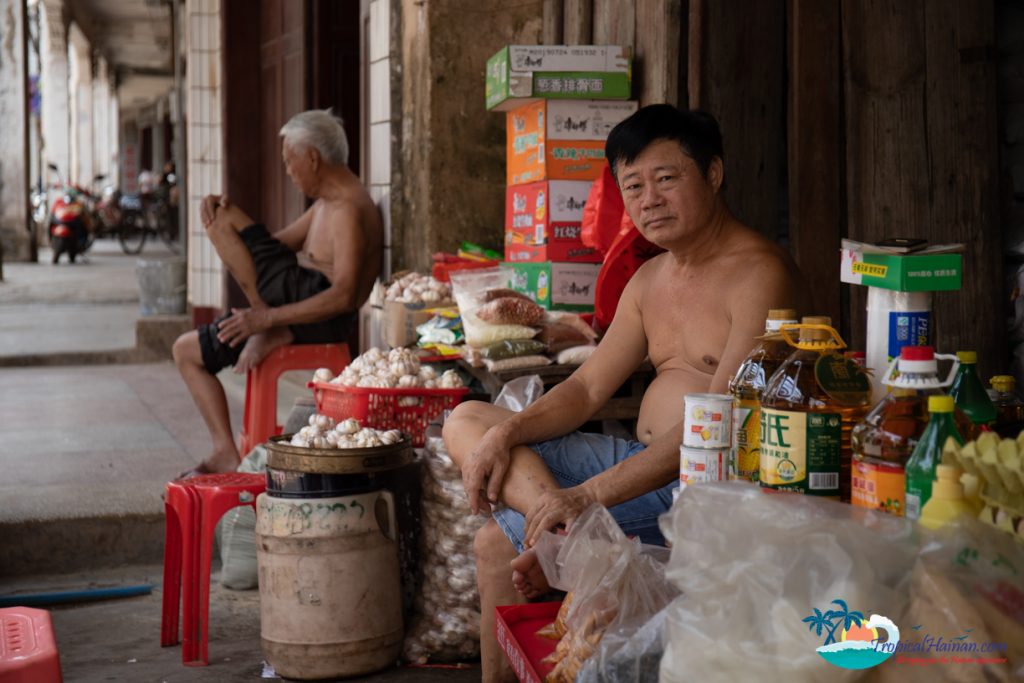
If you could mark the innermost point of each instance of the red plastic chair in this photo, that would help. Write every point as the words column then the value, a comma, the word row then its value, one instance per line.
column 193, row 507
column 28, row 647
column 260, row 420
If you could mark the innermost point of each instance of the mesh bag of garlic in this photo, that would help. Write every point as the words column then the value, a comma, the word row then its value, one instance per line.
column 446, row 626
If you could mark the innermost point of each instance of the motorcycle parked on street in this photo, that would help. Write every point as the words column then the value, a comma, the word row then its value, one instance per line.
column 70, row 225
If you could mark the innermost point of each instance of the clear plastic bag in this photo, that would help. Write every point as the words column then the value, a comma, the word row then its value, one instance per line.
column 617, row 585
column 446, row 625
column 470, row 289
column 967, row 587
column 520, row 392
column 752, row 567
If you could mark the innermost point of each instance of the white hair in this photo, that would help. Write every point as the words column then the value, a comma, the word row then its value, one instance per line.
column 321, row 130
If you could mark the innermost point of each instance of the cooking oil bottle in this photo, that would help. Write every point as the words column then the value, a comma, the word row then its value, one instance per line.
column 746, row 389
column 808, row 409
column 1009, row 409
column 884, row 441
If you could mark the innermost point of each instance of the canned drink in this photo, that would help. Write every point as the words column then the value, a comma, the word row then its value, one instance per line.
column 698, row 465
column 707, row 421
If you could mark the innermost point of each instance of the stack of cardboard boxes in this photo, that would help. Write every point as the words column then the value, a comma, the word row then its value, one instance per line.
column 560, row 103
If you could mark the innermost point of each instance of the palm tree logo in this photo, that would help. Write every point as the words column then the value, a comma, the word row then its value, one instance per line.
column 832, row 620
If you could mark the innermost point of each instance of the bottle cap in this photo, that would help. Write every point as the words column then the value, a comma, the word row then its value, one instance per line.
column 777, row 317
column 940, row 404
column 917, row 353
column 967, row 356
column 1003, row 383
column 918, row 360
column 815, row 335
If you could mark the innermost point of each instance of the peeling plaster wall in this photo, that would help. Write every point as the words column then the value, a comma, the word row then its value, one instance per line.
column 14, row 233
column 450, row 184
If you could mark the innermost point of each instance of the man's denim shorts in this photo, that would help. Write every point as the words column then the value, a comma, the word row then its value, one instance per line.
column 576, row 457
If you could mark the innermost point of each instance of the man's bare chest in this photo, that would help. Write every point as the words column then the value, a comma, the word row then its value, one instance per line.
column 686, row 326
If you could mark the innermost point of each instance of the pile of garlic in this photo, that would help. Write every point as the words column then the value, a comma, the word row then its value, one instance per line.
column 394, row 369
column 414, row 288
column 324, row 432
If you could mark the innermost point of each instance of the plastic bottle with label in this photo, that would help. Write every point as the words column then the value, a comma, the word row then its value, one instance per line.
column 928, row 453
column 948, row 501
column 1009, row 409
column 884, row 441
column 970, row 395
column 808, row 410
column 747, row 387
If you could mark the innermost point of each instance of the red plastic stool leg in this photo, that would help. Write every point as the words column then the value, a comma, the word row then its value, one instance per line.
column 189, row 589
column 212, row 501
column 172, row 565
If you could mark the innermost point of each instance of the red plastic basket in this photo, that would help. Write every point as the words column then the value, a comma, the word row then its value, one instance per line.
column 383, row 409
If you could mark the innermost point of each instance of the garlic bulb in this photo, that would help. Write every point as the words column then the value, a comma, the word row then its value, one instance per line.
column 409, row 381
column 349, row 426
column 450, row 380
column 408, row 401
column 392, row 436
column 323, row 375
column 427, row 372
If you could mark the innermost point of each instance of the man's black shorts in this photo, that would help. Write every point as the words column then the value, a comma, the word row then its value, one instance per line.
column 280, row 280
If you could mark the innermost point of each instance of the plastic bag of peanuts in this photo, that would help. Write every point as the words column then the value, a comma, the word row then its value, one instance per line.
column 446, row 625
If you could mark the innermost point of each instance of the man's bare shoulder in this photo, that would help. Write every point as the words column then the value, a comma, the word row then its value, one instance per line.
column 755, row 263
column 353, row 207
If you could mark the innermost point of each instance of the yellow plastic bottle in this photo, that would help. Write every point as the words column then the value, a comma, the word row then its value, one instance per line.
column 808, row 410
column 947, row 501
column 747, row 387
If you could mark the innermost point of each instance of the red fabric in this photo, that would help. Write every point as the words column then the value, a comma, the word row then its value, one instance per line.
column 602, row 214
column 627, row 253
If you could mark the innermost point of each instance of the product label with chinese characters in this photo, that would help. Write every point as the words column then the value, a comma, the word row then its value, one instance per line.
column 800, row 451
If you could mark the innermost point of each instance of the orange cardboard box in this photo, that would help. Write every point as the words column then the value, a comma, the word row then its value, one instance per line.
column 560, row 139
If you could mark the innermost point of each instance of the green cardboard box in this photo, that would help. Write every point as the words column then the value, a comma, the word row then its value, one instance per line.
column 556, row 286
column 938, row 268
column 518, row 74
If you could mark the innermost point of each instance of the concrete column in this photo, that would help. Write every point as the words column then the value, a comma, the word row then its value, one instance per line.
column 102, row 152
column 448, row 184
column 15, row 236
column 54, row 86
column 80, row 79
column 113, row 130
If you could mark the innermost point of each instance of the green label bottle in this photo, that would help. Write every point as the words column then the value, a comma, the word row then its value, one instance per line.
column 969, row 393
column 928, row 453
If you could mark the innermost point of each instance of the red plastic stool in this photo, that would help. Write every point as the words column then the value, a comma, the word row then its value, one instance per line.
column 28, row 648
column 260, row 420
column 193, row 507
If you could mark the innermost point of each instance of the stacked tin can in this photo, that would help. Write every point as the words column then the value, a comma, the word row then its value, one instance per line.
column 707, row 438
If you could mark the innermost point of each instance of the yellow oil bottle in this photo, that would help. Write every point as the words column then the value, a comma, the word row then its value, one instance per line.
column 808, row 410
column 747, row 387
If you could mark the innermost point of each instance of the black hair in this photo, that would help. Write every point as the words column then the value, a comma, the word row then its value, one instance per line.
column 696, row 131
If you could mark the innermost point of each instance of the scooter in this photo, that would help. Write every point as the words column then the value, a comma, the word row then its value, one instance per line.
column 70, row 224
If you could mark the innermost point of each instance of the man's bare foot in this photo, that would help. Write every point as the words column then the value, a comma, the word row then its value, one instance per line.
column 527, row 575
column 259, row 345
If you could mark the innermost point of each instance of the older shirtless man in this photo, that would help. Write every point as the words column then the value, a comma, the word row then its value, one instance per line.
column 304, row 284
column 694, row 310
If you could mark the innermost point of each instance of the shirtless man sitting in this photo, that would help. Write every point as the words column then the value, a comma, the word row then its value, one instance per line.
column 694, row 310
column 304, row 284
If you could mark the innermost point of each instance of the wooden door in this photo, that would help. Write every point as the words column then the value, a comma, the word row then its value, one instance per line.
column 284, row 91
